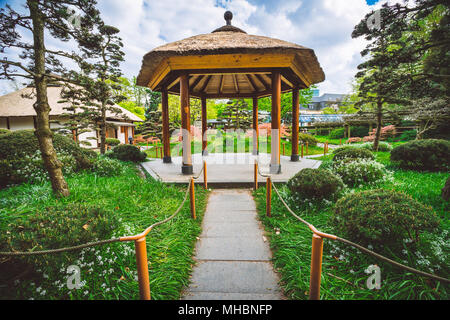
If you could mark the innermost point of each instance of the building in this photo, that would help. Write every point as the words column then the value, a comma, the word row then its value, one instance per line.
column 17, row 113
column 332, row 100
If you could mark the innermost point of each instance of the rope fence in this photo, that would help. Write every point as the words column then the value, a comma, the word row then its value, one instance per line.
column 139, row 239
column 317, row 243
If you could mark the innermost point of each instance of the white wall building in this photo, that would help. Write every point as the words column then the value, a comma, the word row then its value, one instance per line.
column 17, row 113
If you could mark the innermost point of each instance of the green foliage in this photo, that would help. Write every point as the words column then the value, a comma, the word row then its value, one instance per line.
column 127, row 152
column 409, row 135
column 338, row 133
column 382, row 146
column 315, row 184
column 359, row 172
column 446, row 190
column 4, row 131
column 307, row 138
column 107, row 167
column 359, row 131
column 384, row 219
column 353, row 153
column 433, row 155
column 21, row 159
column 112, row 141
column 56, row 227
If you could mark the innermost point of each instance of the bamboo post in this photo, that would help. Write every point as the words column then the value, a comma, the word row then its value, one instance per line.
column 142, row 268
column 303, row 147
column 269, row 197
column 205, row 175
column 193, row 199
column 255, row 173
column 316, row 267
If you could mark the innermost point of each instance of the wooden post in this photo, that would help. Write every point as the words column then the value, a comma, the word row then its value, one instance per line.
column 255, row 174
column 142, row 268
column 205, row 175
column 269, row 197
column 295, row 123
column 275, row 165
column 303, row 147
column 316, row 268
column 204, row 127
column 187, row 167
column 192, row 198
column 255, row 127
column 284, row 149
column 165, row 122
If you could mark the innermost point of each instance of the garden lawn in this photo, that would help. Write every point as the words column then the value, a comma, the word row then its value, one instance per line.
column 108, row 271
column 343, row 275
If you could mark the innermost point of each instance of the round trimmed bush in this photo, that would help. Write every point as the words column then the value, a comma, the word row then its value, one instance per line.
column 304, row 138
column 337, row 150
column 315, row 184
column 353, row 153
column 357, row 172
column 382, row 146
column 127, row 152
column 338, row 133
column 432, row 155
column 382, row 218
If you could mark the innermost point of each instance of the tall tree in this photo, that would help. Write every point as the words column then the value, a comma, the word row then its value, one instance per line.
column 40, row 64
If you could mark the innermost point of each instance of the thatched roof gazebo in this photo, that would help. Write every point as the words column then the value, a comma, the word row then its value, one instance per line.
column 229, row 63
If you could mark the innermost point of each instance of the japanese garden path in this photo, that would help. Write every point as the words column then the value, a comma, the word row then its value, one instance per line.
column 233, row 256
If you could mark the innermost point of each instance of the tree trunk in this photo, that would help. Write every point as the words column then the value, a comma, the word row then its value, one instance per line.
column 103, row 131
column 42, row 108
column 376, row 143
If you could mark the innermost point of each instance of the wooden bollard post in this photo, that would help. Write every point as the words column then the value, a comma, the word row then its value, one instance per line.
column 255, row 174
column 316, row 267
column 142, row 268
column 269, row 197
column 302, row 150
column 193, row 199
column 340, row 142
column 284, row 149
column 205, row 175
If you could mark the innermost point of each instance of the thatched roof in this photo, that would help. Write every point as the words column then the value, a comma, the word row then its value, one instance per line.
column 15, row 105
column 231, row 40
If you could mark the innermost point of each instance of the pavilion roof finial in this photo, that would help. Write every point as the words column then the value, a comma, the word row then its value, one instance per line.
column 228, row 17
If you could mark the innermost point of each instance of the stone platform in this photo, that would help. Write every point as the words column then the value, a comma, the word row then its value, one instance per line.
column 226, row 170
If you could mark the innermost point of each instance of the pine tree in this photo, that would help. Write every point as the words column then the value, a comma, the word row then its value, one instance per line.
column 43, row 66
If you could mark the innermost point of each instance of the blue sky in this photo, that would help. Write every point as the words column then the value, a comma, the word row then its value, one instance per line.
column 323, row 25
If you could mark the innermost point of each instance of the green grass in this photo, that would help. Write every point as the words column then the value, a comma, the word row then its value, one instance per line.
column 139, row 203
column 343, row 276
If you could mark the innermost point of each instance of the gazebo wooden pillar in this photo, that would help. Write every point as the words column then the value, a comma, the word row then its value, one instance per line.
column 295, row 123
column 166, row 132
column 204, row 126
column 255, row 127
column 275, row 163
column 187, row 167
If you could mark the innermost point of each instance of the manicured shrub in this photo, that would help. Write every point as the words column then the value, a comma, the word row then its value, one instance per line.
column 21, row 159
column 359, row 131
column 382, row 146
column 112, row 142
column 409, row 135
column 433, row 155
column 127, row 152
column 384, row 219
column 358, row 172
column 315, row 184
column 353, row 153
column 57, row 227
column 4, row 131
column 304, row 138
column 338, row 133
column 107, row 167
column 446, row 191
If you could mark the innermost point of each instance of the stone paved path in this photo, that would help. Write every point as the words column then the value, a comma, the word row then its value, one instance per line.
column 233, row 257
